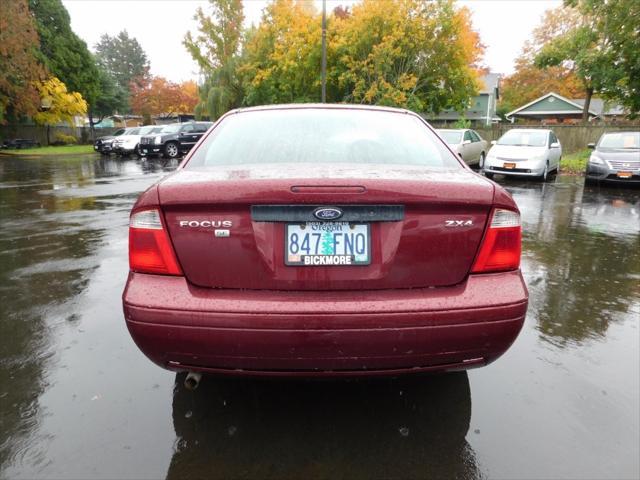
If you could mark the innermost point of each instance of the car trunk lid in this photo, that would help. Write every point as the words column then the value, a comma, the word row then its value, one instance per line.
column 425, row 226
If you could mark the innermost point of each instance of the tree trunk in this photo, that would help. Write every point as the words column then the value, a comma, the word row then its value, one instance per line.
column 91, row 124
column 48, row 140
column 587, row 103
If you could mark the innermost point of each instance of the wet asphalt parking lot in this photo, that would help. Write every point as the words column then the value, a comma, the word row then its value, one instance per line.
column 78, row 400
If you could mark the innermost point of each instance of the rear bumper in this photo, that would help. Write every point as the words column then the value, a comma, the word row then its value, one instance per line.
column 182, row 327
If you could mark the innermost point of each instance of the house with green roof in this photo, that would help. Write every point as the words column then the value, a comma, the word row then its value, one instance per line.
column 554, row 108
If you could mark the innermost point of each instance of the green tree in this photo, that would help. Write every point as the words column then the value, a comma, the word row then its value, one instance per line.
column 616, row 23
column 603, row 49
column 59, row 105
column 106, row 99
column 123, row 58
column 64, row 54
column 19, row 67
column 215, row 47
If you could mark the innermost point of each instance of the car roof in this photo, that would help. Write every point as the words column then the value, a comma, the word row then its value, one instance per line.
column 328, row 106
column 529, row 130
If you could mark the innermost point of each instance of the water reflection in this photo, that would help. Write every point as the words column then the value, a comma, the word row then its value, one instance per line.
column 49, row 247
column 582, row 257
column 409, row 428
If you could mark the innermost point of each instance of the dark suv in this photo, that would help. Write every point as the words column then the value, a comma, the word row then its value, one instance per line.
column 174, row 139
column 104, row 144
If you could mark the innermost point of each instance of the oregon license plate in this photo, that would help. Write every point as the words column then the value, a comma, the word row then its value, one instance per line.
column 313, row 244
column 510, row 165
column 625, row 174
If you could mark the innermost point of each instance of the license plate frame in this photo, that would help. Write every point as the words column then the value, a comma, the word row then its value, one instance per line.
column 624, row 174
column 298, row 260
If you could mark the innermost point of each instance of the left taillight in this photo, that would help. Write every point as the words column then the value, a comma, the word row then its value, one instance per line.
column 150, row 250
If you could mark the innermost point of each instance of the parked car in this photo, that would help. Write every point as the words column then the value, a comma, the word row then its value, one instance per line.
column 466, row 143
column 323, row 240
column 524, row 152
column 20, row 143
column 616, row 158
column 174, row 139
column 104, row 144
column 129, row 142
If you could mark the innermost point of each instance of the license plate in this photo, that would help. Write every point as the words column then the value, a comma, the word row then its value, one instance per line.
column 314, row 244
column 624, row 174
column 510, row 165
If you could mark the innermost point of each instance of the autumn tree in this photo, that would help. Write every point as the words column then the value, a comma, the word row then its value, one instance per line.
column 58, row 105
column 403, row 53
column 408, row 53
column 282, row 56
column 421, row 55
column 19, row 68
column 123, row 58
column 216, row 48
column 159, row 96
column 529, row 82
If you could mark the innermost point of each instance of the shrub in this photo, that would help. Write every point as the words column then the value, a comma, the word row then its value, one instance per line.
column 63, row 139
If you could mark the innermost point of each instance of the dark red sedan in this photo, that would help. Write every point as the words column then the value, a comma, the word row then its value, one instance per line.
column 324, row 240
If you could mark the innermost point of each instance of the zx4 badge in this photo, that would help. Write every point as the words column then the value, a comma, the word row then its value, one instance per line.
column 458, row 223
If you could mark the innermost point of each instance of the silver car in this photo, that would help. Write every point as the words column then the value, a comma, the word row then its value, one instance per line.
column 467, row 144
column 615, row 158
column 524, row 152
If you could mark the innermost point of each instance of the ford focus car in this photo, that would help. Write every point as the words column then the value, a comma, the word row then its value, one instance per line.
column 319, row 240
column 616, row 158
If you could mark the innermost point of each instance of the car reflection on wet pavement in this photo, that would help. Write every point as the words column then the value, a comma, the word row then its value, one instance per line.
column 78, row 400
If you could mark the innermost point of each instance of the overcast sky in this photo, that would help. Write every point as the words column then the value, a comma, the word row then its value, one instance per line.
column 160, row 25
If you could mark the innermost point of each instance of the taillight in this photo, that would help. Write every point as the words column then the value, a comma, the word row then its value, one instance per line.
column 501, row 247
column 150, row 250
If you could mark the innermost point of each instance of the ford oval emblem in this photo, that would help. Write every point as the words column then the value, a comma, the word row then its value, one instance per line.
column 327, row 213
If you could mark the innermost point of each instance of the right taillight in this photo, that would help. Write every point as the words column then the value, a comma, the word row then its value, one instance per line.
column 150, row 250
column 502, row 244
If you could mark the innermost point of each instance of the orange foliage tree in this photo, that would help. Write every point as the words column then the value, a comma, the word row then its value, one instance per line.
column 529, row 82
column 19, row 68
column 159, row 96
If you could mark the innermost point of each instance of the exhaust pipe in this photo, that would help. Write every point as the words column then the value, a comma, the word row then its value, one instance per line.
column 192, row 381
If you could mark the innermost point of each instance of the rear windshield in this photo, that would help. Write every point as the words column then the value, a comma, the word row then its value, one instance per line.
column 524, row 138
column 450, row 136
column 316, row 135
column 622, row 140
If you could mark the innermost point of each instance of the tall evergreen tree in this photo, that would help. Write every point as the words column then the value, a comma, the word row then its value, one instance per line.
column 123, row 58
column 64, row 54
